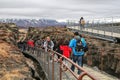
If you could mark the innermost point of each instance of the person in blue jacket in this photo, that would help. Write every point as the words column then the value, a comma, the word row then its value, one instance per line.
column 84, row 44
column 77, row 56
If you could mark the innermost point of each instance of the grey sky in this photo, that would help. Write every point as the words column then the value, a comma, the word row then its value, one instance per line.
column 59, row 9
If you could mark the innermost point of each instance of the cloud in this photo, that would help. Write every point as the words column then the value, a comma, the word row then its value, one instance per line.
column 59, row 9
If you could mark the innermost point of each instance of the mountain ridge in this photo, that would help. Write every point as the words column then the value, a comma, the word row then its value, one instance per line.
column 33, row 22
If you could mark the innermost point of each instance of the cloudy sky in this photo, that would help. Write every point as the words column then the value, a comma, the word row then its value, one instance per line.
column 59, row 9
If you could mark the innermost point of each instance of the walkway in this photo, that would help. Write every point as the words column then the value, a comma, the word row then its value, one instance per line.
column 100, row 75
column 97, row 31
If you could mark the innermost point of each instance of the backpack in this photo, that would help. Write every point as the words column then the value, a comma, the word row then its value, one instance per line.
column 85, row 49
column 49, row 44
column 83, row 22
column 80, row 47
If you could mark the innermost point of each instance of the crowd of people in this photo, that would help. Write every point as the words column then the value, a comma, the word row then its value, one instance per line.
column 73, row 49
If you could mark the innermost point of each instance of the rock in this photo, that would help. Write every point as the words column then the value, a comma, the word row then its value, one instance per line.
column 54, row 32
column 12, row 64
column 104, row 55
column 9, row 33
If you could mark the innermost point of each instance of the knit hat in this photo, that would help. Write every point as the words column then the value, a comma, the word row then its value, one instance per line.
column 76, row 33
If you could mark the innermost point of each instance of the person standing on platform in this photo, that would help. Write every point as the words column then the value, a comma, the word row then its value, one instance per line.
column 82, row 23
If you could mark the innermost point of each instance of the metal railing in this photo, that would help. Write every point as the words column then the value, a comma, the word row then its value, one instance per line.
column 54, row 67
column 109, row 26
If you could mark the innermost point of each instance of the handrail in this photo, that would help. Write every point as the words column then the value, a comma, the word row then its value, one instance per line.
column 43, row 57
column 76, row 65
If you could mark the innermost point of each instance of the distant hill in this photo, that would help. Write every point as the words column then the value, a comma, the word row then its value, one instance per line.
column 33, row 22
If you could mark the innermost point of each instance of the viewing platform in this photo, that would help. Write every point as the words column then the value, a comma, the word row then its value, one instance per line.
column 98, row 33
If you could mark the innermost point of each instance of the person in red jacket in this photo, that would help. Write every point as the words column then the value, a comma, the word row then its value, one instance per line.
column 30, row 43
column 66, row 50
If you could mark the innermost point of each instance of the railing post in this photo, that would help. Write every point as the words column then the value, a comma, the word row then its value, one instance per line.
column 102, row 54
column 44, row 58
column 105, row 27
column 60, row 68
column 53, row 66
column 48, row 67
column 98, row 27
column 112, row 28
column 92, row 26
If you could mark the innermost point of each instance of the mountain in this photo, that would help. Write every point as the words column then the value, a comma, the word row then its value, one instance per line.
column 33, row 22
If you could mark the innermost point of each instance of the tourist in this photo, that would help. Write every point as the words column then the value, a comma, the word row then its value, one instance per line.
column 66, row 51
column 77, row 53
column 58, row 44
column 48, row 45
column 82, row 23
column 84, row 47
column 30, row 43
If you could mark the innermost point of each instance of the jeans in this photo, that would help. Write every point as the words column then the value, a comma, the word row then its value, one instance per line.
column 77, row 59
column 81, row 27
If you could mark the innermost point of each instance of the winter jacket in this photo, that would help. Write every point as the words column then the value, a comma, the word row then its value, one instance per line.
column 72, row 45
column 30, row 43
column 66, row 50
column 48, row 45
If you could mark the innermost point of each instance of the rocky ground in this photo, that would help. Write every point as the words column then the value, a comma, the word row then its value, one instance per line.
column 13, row 65
column 53, row 32
column 104, row 55
column 9, row 33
